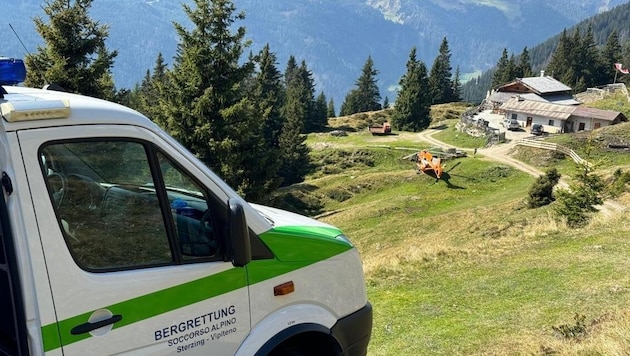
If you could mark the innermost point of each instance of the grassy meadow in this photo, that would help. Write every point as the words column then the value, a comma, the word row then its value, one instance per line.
column 460, row 265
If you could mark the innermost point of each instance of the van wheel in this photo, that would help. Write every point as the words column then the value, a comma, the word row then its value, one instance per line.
column 295, row 351
column 304, row 346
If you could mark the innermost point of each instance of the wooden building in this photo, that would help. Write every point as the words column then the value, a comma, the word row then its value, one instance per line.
column 557, row 118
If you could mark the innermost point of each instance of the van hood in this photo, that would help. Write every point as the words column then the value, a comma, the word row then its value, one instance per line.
column 295, row 237
column 281, row 218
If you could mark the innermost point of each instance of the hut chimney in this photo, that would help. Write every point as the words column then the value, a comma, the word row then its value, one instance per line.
column 542, row 73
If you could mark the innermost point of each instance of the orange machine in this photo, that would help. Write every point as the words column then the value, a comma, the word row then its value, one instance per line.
column 425, row 161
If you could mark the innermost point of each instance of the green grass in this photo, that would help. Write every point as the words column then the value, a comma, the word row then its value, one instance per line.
column 615, row 102
column 592, row 146
column 459, row 266
column 464, row 305
column 451, row 136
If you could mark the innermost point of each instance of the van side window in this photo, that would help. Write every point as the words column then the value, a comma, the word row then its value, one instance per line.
column 116, row 212
column 106, row 203
column 195, row 223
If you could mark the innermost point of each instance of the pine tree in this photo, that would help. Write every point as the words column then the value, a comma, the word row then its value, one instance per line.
column 367, row 85
column 290, row 71
column 440, row 84
column 330, row 112
column 541, row 192
column 456, row 87
column 512, row 71
column 589, row 62
column 268, row 96
column 304, row 80
column 320, row 111
column 611, row 54
column 560, row 65
column 151, row 89
column 386, row 103
column 524, row 64
column 204, row 106
column 577, row 203
column 412, row 108
column 625, row 49
column 366, row 95
column 350, row 103
column 75, row 56
column 502, row 75
column 297, row 107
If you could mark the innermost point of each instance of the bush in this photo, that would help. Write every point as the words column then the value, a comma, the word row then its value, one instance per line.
column 619, row 181
column 579, row 202
column 572, row 331
column 541, row 193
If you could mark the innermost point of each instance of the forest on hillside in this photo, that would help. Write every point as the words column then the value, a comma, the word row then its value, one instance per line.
column 601, row 27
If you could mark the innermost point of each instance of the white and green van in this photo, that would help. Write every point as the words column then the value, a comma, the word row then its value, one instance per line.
column 117, row 240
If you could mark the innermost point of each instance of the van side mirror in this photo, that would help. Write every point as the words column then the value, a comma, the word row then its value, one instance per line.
column 239, row 234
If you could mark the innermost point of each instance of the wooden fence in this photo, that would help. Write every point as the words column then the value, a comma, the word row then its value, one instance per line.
column 553, row 147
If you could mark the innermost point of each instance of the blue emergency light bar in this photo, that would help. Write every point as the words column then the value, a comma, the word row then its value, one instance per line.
column 12, row 71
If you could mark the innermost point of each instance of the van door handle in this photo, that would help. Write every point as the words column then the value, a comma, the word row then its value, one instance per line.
column 87, row 327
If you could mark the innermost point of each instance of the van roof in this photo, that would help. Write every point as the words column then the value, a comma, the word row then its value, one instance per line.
column 84, row 110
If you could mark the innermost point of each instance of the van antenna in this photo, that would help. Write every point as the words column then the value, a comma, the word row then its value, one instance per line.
column 22, row 43
column 19, row 39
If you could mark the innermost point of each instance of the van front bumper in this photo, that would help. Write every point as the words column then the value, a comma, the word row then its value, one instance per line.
column 353, row 332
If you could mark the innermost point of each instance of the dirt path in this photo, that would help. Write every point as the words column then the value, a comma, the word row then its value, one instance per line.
column 501, row 153
column 498, row 153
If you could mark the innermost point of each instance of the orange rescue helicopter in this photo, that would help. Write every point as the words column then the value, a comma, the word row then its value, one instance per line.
column 427, row 162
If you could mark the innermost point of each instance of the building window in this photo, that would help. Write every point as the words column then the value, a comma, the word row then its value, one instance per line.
column 550, row 122
column 514, row 116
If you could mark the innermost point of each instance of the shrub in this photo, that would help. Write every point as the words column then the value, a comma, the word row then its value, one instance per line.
column 619, row 181
column 572, row 331
column 541, row 193
column 577, row 203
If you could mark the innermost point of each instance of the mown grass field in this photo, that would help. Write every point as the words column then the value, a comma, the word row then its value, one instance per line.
column 460, row 266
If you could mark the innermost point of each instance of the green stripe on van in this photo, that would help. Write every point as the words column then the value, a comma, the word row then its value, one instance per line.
column 146, row 306
column 295, row 247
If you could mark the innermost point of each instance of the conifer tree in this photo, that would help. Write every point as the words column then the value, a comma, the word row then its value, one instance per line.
column 204, row 106
column 268, row 96
column 524, row 64
column 625, row 60
column 512, row 71
column 367, row 86
column 562, row 65
column 290, row 71
column 589, row 62
column 294, row 152
column 577, row 203
column 440, row 82
column 366, row 95
column 75, row 56
column 321, row 110
column 502, row 75
column 330, row 112
column 350, row 103
column 611, row 54
column 151, row 88
column 541, row 192
column 412, row 108
column 303, row 80
column 457, row 86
